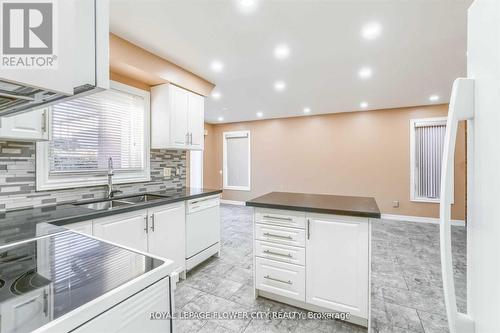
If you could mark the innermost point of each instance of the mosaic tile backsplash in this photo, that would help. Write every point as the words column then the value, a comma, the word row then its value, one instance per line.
column 17, row 178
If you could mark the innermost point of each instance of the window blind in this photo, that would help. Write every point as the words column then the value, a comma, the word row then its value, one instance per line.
column 428, row 150
column 237, row 160
column 87, row 131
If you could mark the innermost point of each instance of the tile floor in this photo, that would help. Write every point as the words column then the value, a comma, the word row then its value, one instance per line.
column 406, row 282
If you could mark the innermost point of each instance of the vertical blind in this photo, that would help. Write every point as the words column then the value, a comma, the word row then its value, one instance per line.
column 428, row 150
column 87, row 131
column 237, row 162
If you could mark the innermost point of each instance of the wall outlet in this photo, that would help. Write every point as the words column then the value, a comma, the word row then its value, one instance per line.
column 167, row 172
column 395, row 204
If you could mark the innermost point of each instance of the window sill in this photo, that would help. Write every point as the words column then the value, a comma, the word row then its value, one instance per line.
column 67, row 182
column 236, row 188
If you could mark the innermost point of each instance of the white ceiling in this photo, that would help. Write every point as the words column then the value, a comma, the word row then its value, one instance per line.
column 421, row 50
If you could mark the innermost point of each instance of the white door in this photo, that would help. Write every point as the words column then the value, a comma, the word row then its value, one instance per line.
column 337, row 263
column 196, row 121
column 179, row 116
column 30, row 125
column 125, row 229
column 483, row 220
column 167, row 233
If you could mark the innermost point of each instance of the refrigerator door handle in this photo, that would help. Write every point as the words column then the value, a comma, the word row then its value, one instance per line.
column 461, row 108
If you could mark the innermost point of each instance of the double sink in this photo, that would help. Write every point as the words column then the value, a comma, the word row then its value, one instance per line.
column 108, row 204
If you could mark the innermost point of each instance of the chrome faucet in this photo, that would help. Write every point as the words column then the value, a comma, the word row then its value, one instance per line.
column 111, row 192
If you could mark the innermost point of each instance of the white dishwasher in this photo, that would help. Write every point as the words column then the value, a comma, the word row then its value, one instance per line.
column 202, row 229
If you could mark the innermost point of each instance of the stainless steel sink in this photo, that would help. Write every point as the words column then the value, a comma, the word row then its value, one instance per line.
column 141, row 198
column 106, row 205
column 110, row 204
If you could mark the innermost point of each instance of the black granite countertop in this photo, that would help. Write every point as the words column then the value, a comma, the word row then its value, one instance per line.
column 318, row 203
column 22, row 224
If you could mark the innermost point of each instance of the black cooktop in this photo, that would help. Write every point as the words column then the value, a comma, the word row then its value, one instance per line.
column 57, row 273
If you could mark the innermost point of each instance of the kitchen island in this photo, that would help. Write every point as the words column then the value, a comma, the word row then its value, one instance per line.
column 313, row 251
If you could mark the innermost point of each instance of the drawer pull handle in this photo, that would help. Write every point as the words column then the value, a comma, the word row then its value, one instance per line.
column 278, row 218
column 277, row 236
column 289, row 255
column 277, row 280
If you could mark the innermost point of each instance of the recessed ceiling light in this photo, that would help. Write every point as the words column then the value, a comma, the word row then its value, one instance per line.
column 247, row 6
column 434, row 98
column 216, row 95
column 307, row 110
column 281, row 51
column 260, row 114
column 217, row 66
column 363, row 105
column 365, row 72
column 220, row 119
column 279, row 85
column 371, row 30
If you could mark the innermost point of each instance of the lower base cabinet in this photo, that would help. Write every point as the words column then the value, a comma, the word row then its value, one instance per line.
column 337, row 266
column 128, row 229
column 167, row 234
column 159, row 231
column 334, row 276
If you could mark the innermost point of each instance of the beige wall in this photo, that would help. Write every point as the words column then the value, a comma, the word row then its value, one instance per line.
column 356, row 153
column 129, row 60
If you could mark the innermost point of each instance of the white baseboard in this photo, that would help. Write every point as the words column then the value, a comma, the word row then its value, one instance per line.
column 232, row 202
column 420, row 219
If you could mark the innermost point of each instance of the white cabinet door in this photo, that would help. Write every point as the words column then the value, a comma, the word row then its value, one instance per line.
column 167, row 233
column 196, row 121
column 84, row 227
column 179, row 117
column 31, row 125
column 127, row 229
column 337, row 263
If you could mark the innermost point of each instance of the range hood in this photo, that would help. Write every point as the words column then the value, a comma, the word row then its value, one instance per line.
column 82, row 41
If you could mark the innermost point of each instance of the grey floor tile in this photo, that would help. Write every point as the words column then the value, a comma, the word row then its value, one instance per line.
column 433, row 323
column 403, row 317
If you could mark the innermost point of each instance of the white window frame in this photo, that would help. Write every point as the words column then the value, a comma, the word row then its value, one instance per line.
column 224, row 158
column 45, row 181
column 413, row 197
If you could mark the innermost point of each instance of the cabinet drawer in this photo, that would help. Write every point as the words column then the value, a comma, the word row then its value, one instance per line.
column 280, row 235
column 287, row 218
column 289, row 254
column 280, row 278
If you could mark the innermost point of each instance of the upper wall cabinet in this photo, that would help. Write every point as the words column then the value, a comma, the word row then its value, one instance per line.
column 177, row 118
column 70, row 58
column 28, row 126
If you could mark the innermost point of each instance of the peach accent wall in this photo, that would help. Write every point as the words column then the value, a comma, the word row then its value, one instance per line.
column 129, row 60
column 356, row 153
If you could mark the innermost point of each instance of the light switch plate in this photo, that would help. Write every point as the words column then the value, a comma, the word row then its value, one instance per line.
column 395, row 204
column 167, row 172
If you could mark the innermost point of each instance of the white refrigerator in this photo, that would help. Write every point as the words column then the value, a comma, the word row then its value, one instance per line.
column 476, row 99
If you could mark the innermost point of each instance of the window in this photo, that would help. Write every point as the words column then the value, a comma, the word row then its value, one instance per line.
column 426, row 151
column 87, row 131
column 236, row 146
